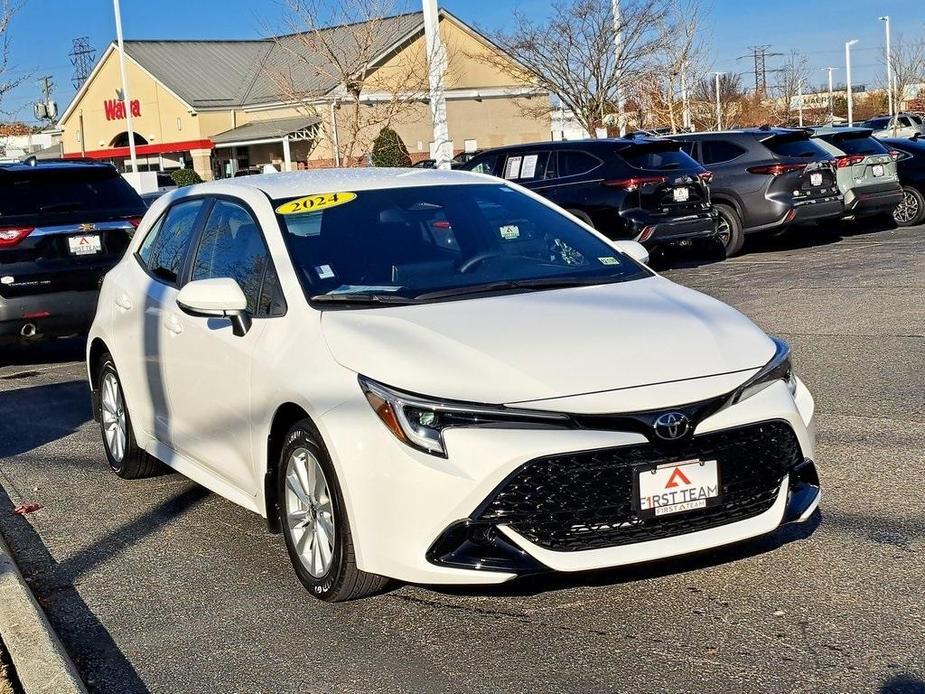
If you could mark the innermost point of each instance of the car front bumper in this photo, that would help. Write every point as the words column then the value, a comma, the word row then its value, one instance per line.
column 52, row 314
column 414, row 517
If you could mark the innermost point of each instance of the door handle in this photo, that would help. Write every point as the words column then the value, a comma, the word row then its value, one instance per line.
column 173, row 324
column 123, row 302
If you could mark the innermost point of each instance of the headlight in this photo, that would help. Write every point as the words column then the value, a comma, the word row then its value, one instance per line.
column 420, row 422
column 778, row 369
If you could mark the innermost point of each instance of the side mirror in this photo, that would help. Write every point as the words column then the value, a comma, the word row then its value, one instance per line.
column 220, row 297
column 633, row 249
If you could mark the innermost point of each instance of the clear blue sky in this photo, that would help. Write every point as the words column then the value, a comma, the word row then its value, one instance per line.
column 42, row 32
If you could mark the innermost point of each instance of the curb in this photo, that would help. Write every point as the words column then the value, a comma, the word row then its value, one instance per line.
column 41, row 663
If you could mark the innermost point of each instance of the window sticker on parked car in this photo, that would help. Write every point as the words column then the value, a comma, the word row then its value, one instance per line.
column 313, row 203
column 528, row 168
column 324, row 272
column 608, row 260
column 512, row 167
column 509, row 232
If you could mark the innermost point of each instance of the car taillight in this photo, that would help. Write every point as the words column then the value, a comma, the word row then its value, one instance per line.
column 10, row 236
column 634, row 183
column 706, row 176
column 775, row 169
column 134, row 221
column 848, row 160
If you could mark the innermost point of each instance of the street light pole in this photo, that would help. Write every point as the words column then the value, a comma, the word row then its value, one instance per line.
column 685, row 104
column 436, row 67
column 831, row 97
column 618, row 54
column 889, row 67
column 848, row 45
column 126, row 101
column 719, row 119
column 800, row 100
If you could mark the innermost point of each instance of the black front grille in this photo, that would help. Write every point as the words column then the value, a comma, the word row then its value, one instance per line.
column 577, row 501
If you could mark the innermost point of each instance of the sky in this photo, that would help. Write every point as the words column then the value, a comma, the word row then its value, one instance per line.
column 41, row 34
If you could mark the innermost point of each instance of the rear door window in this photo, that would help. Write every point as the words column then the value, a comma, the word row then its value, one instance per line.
column 720, row 151
column 526, row 167
column 166, row 245
column 573, row 162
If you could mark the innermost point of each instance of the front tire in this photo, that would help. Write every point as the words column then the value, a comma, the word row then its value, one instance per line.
column 125, row 457
column 315, row 524
column 729, row 231
column 911, row 210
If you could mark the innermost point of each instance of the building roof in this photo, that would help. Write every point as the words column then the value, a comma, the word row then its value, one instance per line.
column 265, row 129
column 231, row 74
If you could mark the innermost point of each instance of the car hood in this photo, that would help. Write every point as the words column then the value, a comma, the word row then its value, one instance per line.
column 548, row 344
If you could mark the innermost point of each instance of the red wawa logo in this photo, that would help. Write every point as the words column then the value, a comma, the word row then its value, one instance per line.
column 115, row 108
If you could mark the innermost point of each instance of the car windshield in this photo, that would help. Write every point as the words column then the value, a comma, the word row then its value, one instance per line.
column 430, row 243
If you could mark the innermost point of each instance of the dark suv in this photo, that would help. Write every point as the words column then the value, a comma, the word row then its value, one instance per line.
column 643, row 189
column 63, row 225
column 765, row 179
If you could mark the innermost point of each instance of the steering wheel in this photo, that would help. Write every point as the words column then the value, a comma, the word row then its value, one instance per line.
column 482, row 257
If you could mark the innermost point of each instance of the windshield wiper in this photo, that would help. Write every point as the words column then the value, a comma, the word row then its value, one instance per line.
column 534, row 283
column 363, row 298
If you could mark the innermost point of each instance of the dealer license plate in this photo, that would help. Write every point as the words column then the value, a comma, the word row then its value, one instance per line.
column 815, row 179
column 682, row 194
column 677, row 487
column 877, row 169
column 85, row 245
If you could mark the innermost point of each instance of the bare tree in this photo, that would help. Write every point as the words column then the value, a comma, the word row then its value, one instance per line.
column 907, row 59
column 331, row 61
column 572, row 54
column 8, row 10
column 792, row 76
column 736, row 107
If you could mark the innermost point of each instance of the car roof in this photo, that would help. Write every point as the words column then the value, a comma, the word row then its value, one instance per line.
column 829, row 130
column 621, row 142
column 56, row 164
column 284, row 185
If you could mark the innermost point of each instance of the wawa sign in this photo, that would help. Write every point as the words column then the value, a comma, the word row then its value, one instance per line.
column 115, row 109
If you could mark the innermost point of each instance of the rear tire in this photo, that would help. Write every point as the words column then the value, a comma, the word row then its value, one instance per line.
column 125, row 457
column 314, row 521
column 911, row 210
column 730, row 234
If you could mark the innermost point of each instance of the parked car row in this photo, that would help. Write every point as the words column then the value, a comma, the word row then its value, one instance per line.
column 722, row 185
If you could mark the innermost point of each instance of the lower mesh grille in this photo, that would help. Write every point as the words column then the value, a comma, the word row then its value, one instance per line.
column 578, row 501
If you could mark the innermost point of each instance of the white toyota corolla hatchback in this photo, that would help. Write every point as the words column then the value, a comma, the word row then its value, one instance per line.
column 440, row 377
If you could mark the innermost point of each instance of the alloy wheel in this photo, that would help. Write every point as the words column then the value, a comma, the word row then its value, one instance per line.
column 907, row 210
column 309, row 512
column 113, row 417
column 723, row 232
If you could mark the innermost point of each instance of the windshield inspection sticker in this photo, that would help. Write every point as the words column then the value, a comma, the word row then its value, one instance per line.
column 324, row 272
column 608, row 260
column 314, row 203
column 509, row 232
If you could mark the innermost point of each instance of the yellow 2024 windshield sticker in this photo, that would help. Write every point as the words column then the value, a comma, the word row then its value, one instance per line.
column 314, row 203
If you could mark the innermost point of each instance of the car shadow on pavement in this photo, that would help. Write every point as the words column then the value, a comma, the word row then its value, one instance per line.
column 549, row 582
column 903, row 684
column 43, row 352
column 31, row 417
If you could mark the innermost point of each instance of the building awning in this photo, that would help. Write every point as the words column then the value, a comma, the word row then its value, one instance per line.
column 266, row 131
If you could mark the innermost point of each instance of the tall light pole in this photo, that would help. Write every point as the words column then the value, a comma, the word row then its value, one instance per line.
column 831, row 96
column 685, row 104
column 889, row 66
column 618, row 55
column 848, row 45
column 126, row 101
column 719, row 118
column 436, row 67
column 800, row 99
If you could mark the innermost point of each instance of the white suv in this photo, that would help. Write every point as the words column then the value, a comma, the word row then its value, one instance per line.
column 440, row 377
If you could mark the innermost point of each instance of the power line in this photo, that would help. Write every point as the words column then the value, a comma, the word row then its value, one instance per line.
column 759, row 56
column 82, row 56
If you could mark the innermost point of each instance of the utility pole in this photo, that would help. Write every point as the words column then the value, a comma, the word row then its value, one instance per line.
column 759, row 56
column 800, row 100
column 685, row 104
column 719, row 119
column 82, row 57
column 618, row 54
column 126, row 102
column 831, row 96
column 848, row 45
column 889, row 68
column 436, row 67
column 46, row 109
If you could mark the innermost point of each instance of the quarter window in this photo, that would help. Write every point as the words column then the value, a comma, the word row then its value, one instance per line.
column 574, row 163
column 718, row 151
column 232, row 246
column 166, row 245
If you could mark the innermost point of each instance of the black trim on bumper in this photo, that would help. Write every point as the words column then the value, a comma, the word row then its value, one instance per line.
column 469, row 544
column 69, row 312
column 803, row 490
column 876, row 202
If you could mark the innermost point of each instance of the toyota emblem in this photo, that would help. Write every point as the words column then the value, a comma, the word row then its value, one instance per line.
column 672, row 426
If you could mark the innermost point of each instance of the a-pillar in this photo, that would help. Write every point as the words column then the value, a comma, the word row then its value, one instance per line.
column 202, row 163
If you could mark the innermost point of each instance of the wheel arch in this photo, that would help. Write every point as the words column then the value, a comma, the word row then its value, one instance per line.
column 284, row 418
column 729, row 201
column 95, row 353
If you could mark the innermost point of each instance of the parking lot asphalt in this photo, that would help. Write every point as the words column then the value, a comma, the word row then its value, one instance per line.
column 160, row 585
